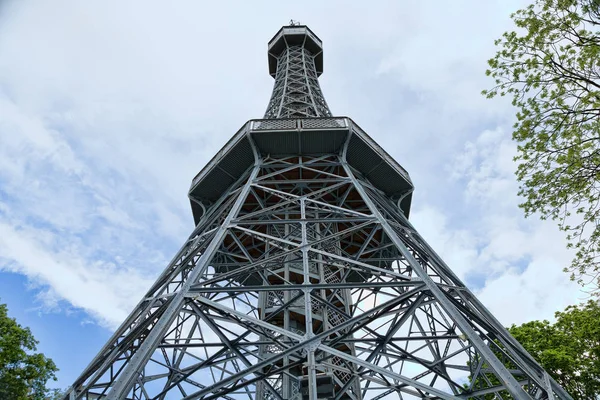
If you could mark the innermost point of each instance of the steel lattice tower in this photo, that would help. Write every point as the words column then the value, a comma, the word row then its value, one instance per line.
column 304, row 279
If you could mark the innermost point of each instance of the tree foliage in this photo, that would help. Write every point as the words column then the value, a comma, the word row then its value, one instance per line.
column 23, row 373
column 56, row 394
column 550, row 67
column 569, row 349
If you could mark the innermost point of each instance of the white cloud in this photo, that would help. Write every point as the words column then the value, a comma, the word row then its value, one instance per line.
column 101, row 288
column 514, row 264
column 458, row 247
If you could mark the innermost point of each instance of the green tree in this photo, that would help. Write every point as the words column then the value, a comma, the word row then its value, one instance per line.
column 56, row 394
column 569, row 349
column 550, row 67
column 23, row 373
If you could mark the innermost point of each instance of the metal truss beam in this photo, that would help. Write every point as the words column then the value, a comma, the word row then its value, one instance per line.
column 323, row 281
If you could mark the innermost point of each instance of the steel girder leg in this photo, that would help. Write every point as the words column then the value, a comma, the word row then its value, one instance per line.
column 499, row 369
column 127, row 377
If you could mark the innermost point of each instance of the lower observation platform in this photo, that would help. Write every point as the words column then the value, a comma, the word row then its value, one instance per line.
column 300, row 137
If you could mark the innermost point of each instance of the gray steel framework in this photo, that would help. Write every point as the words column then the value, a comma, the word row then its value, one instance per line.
column 297, row 55
column 304, row 279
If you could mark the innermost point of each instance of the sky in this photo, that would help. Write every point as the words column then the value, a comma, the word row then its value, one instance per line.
column 108, row 109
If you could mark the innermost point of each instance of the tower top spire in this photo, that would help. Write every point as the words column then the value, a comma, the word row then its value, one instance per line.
column 295, row 34
column 296, row 61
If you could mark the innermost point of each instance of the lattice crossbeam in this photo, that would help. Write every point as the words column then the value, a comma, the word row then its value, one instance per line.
column 322, row 276
column 296, row 93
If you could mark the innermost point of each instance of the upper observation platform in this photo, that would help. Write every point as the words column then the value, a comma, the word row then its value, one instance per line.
column 299, row 137
column 295, row 35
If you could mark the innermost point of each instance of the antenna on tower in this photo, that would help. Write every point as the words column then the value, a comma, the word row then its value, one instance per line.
column 294, row 23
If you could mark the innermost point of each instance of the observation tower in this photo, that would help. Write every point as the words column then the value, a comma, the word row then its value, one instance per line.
column 304, row 279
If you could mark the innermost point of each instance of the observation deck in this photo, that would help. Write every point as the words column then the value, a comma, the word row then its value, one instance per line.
column 298, row 137
column 289, row 36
